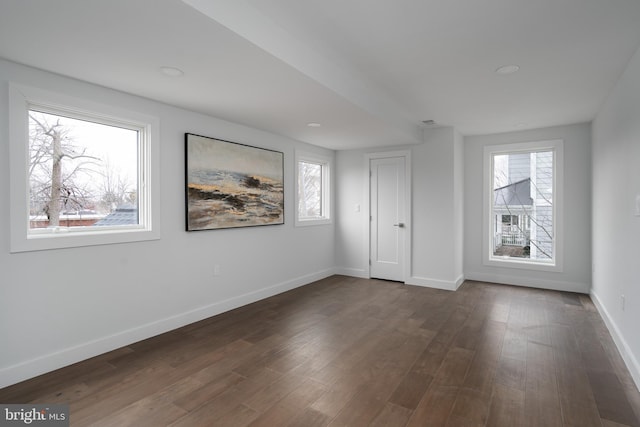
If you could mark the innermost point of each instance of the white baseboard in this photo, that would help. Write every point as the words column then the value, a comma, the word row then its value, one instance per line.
column 459, row 281
column 556, row 285
column 413, row 280
column 352, row 272
column 447, row 285
column 49, row 362
column 627, row 355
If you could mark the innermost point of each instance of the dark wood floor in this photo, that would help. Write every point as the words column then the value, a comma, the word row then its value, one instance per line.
column 353, row 352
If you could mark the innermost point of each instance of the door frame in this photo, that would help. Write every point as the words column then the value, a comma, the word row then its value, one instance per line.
column 367, row 210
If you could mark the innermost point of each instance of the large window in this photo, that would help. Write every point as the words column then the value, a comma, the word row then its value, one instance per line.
column 313, row 189
column 82, row 175
column 523, row 205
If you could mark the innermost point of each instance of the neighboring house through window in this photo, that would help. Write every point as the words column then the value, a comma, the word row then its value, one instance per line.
column 522, row 197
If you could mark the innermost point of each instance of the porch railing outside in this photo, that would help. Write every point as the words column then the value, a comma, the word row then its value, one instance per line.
column 514, row 239
column 510, row 236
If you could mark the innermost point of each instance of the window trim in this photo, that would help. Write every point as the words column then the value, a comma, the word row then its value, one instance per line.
column 24, row 98
column 326, row 163
column 558, row 209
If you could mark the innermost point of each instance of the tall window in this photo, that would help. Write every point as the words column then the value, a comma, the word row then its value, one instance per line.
column 522, row 200
column 313, row 189
column 82, row 174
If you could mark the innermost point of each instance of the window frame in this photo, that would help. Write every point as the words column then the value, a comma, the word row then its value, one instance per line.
column 22, row 99
column 556, row 146
column 325, row 163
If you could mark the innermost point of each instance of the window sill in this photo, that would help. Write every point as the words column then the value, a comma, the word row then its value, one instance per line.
column 312, row 222
column 75, row 239
column 523, row 265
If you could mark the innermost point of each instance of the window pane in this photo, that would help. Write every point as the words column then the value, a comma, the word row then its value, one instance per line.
column 81, row 173
column 309, row 190
column 523, row 206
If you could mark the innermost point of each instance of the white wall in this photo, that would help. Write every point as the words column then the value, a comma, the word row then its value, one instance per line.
column 458, row 205
column 61, row 306
column 437, row 194
column 616, row 226
column 351, row 223
column 576, row 274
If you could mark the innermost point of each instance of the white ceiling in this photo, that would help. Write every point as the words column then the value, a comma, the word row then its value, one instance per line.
column 368, row 70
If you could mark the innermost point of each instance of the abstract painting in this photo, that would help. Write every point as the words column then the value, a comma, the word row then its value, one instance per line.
column 231, row 185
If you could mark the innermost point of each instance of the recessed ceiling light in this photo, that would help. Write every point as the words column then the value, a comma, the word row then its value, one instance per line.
column 314, row 125
column 171, row 71
column 507, row 69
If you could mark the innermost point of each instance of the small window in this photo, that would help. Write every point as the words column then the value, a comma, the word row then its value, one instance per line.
column 523, row 204
column 88, row 174
column 313, row 194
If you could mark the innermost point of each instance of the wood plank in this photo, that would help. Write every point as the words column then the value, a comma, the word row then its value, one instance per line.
column 239, row 416
column 290, row 406
column 511, row 373
column 507, row 407
column 435, row 407
column 360, row 410
column 540, row 355
column 454, row 367
column 411, row 389
column 470, row 336
column 334, row 400
column 499, row 312
column 471, row 406
column 515, row 344
column 542, row 401
column 577, row 415
column 155, row 409
column 263, row 399
column 105, row 401
column 310, row 418
column 610, row 398
column 207, row 392
column 392, row 416
column 229, row 400
column 483, row 367
column 454, row 323
column 607, row 423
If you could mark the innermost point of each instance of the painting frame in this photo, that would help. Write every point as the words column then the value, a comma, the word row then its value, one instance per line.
column 231, row 185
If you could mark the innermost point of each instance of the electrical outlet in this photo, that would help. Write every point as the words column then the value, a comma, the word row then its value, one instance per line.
column 622, row 301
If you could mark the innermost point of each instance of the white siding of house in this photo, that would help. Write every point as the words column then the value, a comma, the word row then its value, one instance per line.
column 541, row 187
column 518, row 167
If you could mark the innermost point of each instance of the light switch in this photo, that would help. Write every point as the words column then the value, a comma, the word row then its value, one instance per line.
column 637, row 204
column 357, row 208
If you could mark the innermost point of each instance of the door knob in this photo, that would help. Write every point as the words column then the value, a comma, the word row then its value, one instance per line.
column 400, row 224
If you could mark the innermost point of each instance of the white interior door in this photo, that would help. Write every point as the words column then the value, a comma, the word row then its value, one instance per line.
column 388, row 228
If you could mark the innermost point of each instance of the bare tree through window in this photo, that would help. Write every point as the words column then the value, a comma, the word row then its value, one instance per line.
column 309, row 190
column 77, row 169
